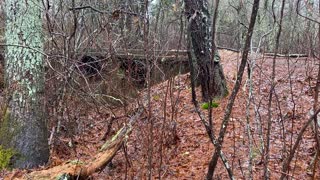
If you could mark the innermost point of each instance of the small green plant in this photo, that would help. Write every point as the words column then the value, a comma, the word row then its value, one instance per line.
column 5, row 156
column 206, row 105
column 156, row 97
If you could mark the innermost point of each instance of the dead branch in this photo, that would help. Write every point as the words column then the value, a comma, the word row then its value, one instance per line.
column 286, row 163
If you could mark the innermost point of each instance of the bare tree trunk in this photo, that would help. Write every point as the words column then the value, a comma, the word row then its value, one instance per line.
column 24, row 127
column 211, row 77
column 148, row 84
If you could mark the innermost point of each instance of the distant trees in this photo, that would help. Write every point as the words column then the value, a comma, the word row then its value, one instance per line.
column 24, row 126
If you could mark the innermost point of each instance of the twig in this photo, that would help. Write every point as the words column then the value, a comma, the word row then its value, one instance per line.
column 103, row 12
column 282, row 173
column 308, row 18
column 27, row 47
column 241, row 169
column 273, row 84
column 195, row 102
column 286, row 163
column 234, row 93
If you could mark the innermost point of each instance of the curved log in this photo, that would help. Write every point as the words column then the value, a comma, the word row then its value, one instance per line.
column 81, row 170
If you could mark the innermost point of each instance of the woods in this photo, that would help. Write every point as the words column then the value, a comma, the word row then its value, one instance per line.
column 159, row 89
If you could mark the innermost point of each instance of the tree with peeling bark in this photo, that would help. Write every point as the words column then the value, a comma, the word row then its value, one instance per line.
column 211, row 77
column 23, row 126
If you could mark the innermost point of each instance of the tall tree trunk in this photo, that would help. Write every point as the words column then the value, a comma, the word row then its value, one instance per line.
column 23, row 126
column 209, row 74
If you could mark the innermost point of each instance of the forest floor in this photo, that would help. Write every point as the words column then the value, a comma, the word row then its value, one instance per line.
column 179, row 145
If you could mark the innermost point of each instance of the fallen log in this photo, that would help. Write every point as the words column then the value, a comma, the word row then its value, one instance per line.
column 81, row 170
column 228, row 49
column 287, row 55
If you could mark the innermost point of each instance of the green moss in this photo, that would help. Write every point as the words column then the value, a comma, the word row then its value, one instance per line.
column 4, row 127
column 156, row 97
column 121, row 73
column 5, row 157
column 226, row 93
column 63, row 177
column 8, row 128
column 111, row 141
column 6, row 115
column 5, row 138
column 76, row 162
column 206, row 105
column 1, row 78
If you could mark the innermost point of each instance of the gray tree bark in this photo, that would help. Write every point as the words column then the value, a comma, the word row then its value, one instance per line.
column 23, row 126
column 207, row 72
